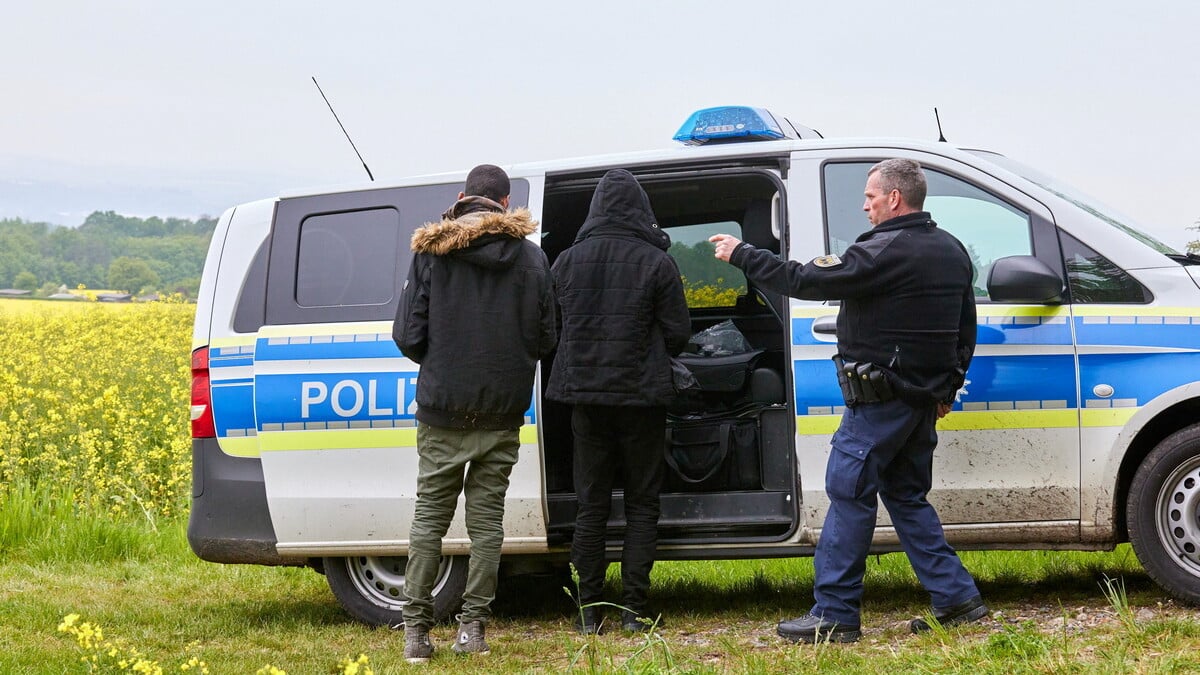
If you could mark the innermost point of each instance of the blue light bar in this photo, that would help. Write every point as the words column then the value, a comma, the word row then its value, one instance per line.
column 729, row 124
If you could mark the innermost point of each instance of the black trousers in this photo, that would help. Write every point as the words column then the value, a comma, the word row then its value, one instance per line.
column 607, row 440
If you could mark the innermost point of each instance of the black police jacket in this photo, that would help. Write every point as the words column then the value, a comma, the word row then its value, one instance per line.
column 477, row 312
column 621, row 303
column 908, row 304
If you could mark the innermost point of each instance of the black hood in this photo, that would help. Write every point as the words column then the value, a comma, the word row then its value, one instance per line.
column 620, row 206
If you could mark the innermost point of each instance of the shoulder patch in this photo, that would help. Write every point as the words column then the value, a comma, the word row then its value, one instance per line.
column 827, row 261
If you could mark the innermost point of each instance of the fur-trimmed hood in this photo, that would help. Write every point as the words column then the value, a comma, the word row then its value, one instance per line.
column 486, row 238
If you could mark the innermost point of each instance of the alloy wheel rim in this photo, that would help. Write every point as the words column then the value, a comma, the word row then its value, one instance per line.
column 380, row 579
column 1179, row 515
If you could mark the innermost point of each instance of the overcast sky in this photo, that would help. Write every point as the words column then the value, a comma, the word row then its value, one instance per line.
column 174, row 107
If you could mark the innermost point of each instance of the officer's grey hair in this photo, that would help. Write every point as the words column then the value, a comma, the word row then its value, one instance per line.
column 904, row 175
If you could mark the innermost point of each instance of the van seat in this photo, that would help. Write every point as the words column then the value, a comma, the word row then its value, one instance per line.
column 766, row 386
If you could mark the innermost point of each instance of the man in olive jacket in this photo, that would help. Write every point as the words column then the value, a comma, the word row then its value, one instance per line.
column 477, row 313
column 623, row 316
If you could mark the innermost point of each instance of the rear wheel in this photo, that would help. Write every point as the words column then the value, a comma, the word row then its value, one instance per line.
column 371, row 588
column 1163, row 514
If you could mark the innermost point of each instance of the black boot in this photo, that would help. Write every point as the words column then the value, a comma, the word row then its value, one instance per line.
column 814, row 629
column 963, row 612
column 588, row 620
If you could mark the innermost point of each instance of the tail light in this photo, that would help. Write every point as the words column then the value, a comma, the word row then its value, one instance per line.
column 202, row 415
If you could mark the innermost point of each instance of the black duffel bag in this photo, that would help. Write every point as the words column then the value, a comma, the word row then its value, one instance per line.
column 712, row 455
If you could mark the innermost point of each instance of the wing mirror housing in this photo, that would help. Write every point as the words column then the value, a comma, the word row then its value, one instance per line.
column 1025, row 279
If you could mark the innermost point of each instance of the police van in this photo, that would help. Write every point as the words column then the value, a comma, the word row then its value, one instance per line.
column 1078, row 426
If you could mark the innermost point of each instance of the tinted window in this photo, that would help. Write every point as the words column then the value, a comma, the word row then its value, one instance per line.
column 343, row 256
column 1094, row 278
column 989, row 227
column 707, row 281
column 348, row 258
column 248, row 316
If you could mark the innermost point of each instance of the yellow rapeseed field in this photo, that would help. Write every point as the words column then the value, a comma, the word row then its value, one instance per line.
column 699, row 295
column 94, row 398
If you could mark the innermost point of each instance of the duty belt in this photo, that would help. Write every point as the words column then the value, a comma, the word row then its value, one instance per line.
column 862, row 382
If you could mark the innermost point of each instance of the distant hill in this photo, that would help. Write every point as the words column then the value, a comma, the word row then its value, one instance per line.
column 108, row 250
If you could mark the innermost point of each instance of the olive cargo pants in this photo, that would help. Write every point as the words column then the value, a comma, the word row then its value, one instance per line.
column 486, row 457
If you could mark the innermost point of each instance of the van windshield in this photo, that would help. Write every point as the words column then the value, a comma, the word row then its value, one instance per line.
column 1077, row 198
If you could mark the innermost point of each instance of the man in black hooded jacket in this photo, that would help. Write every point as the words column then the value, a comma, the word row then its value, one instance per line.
column 623, row 316
column 477, row 313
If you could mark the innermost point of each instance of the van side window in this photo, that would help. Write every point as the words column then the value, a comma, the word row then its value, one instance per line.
column 707, row 282
column 251, row 304
column 348, row 258
column 1094, row 278
column 989, row 227
column 343, row 256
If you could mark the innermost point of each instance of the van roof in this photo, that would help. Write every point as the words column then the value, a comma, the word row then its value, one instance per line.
column 632, row 160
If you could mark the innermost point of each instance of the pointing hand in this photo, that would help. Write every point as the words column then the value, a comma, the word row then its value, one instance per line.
column 725, row 245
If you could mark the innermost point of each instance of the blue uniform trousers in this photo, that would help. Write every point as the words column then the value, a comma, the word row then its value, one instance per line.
column 884, row 450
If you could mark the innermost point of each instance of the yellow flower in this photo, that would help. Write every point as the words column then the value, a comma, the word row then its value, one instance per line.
column 359, row 666
column 67, row 622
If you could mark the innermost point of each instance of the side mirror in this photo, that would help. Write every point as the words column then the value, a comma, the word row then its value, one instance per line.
column 1024, row 278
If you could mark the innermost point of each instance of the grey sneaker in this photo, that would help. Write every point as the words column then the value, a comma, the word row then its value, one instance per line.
column 417, row 647
column 470, row 639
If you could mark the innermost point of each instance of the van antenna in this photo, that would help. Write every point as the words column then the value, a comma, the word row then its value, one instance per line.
column 941, row 137
column 335, row 116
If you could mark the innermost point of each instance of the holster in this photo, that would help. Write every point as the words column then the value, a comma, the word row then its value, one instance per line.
column 862, row 382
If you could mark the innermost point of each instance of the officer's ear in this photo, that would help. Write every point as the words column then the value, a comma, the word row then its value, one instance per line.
column 895, row 199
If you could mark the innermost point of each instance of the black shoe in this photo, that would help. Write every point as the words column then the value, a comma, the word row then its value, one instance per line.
column 588, row 620
column 814, row 629
column 640, row 622
column 963, row 612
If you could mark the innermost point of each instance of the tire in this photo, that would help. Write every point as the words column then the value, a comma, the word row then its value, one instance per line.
column 371, row 588
column 1163, row 514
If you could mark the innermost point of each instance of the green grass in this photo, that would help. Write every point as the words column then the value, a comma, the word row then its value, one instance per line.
column 147, row 591
column 42, row 524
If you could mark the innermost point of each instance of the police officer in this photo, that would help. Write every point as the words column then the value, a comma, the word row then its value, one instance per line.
column 906, row 333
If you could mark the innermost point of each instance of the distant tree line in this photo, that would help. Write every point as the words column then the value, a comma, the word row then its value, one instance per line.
column 109, row 251
column 702, row 268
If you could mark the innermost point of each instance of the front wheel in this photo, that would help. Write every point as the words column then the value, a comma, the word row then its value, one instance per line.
column 1163, row 514
column 371, row 588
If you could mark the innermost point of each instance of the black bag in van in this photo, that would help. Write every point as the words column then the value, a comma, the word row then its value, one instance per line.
column 710, row 455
